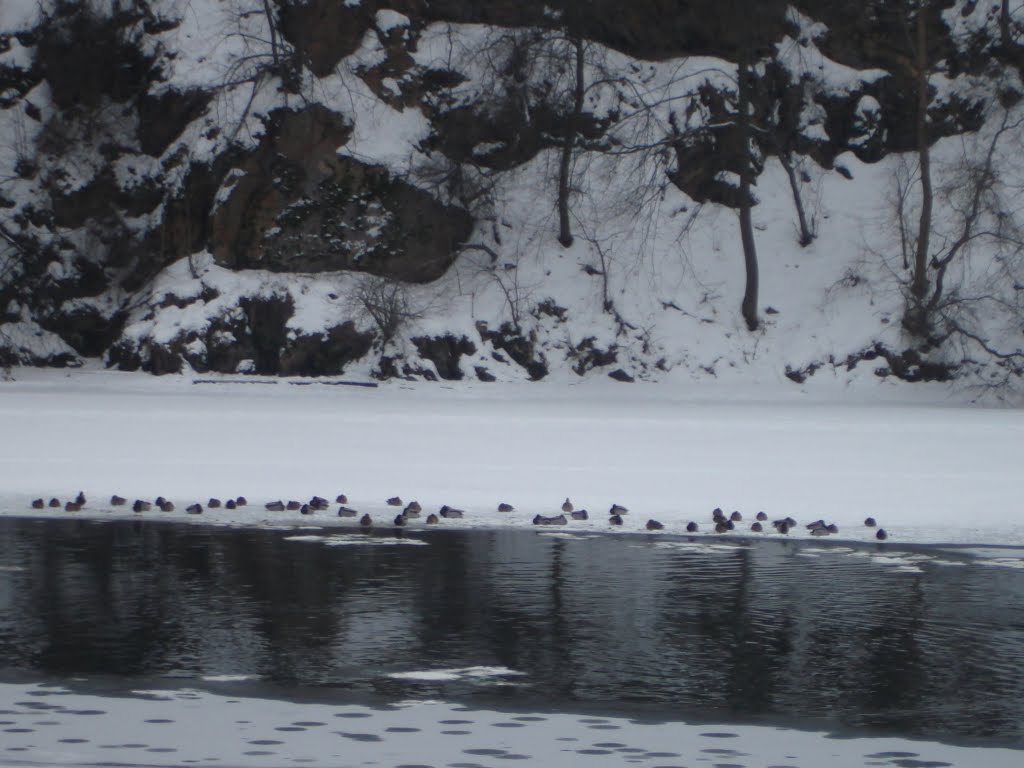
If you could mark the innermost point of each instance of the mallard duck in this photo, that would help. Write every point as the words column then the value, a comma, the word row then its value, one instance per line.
column 654, row 525
column 567, row 505
column 503, row 507
column 556, row 520
column 194, row 509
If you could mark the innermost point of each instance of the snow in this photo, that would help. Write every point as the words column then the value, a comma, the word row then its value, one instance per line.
column 168, row 727
column 928, row 469
column 387, row 20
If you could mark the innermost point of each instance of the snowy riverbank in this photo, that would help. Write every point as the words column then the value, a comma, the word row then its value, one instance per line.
column 927, row 467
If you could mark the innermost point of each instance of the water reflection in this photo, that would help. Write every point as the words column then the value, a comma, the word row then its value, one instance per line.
column 772, row 630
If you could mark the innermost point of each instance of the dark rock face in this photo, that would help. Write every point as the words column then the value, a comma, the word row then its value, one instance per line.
column 520, row 349
column 257, row 331
column 85, row 57
column 444, row 352
column 162, row 118
column 298, row 206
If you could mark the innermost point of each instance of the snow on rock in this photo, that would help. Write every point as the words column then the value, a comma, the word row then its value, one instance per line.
column 25, row 343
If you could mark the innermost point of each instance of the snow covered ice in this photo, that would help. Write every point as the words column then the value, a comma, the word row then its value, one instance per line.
column 928, row 469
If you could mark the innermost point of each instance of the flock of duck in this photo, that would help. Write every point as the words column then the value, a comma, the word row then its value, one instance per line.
column 722, row 523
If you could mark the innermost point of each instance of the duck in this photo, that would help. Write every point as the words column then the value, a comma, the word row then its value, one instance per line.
column 503, row 507
column 717, row 514
column 346, row 512
column 159, row 501
column 881, row 535
column 366, row 521
column 72, row 506
column 240, row 501
column 194, row 509
column 579, row 514
column 341, row 499
column 413, row 508
column 617, row 509
column 307, row 509
column 757, row 528
column 556, row 520
column 692, row 527
column 567, row 505
column 319, row 502
column 118, row 501
column 293, row 506
column 736, row 516
column 721, row 527
column 213, row 503
column 654, row 525
column 274, row 506
column 450, row 512
column 38, row 504
column 230, row 504
column 167, row 506
column 782, row 526
column 54, row 503
column 433, row 519
column 399, row 520
column 815, row 525
column 80, row 499
column 141, row 506
column 615, row 520
column 762, row 517
column 395, row 501
column 870, row 522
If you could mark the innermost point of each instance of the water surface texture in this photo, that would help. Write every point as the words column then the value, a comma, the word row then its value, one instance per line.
column 914, row 642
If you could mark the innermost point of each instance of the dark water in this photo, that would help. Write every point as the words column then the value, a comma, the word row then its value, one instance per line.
column 766, row 632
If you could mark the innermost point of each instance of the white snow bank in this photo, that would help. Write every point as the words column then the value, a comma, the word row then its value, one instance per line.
column 928, row 472
column 178, row 727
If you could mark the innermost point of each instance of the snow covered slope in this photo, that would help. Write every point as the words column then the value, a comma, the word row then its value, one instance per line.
column 274, row 194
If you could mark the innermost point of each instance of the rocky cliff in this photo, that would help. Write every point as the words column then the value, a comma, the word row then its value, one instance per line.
column 322, row 186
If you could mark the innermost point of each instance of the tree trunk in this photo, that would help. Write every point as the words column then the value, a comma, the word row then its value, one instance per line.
column 806, row 236
column 568, row 142
column 919, row 284
column 749, row 305
column 1004, row 26
column 272, row 23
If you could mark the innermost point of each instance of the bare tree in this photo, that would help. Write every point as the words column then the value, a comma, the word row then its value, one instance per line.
column 568, row 142
column 750, row 286
column 385, row 302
